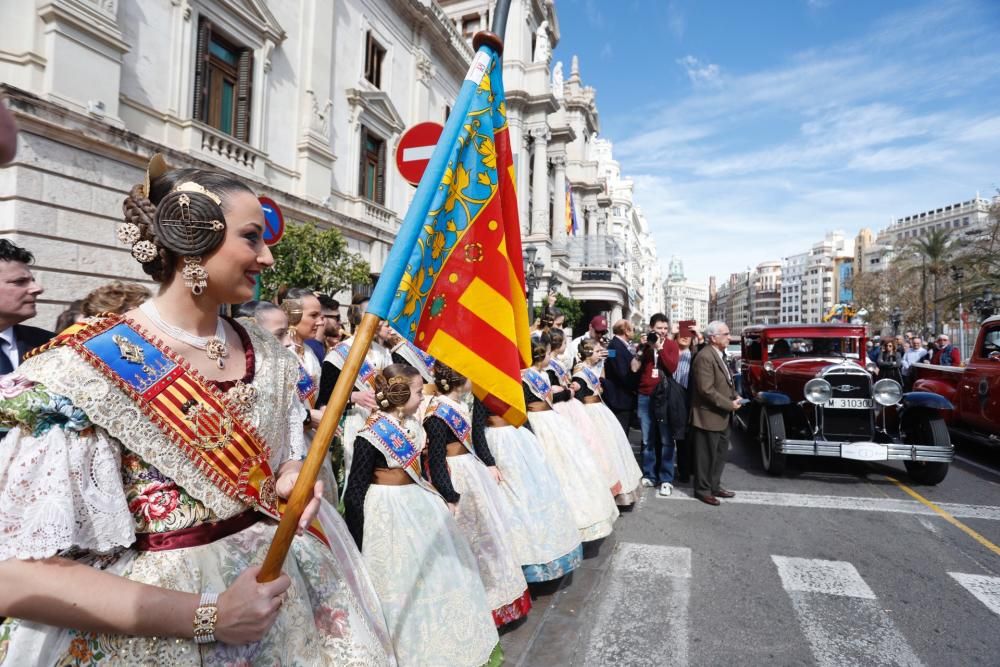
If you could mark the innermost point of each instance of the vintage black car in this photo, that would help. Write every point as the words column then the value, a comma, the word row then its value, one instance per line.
column 814, row 393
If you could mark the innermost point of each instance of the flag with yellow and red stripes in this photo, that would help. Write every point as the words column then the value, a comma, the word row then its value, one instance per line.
column 454, row 283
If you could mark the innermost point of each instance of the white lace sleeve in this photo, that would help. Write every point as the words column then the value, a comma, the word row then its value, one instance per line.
column 60, row 490
column 297, row 445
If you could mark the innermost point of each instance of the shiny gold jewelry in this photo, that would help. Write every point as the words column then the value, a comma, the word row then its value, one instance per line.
column 205, row 618
column 194, row 274
column 129, row 233
column 242, row 397
column 191, row 186
column 144, row 251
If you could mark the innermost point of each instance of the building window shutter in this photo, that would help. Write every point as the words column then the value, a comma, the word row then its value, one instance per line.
column 201, row 69
column 362, row 162
column 243, row 90
column 380, row 175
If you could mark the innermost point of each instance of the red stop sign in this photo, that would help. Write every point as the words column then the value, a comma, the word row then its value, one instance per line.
column 415, row 149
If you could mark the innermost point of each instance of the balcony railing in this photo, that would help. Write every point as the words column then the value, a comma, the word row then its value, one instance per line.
column 595, row 251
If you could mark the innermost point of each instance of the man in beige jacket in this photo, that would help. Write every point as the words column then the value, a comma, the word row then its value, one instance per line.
column 713, row 401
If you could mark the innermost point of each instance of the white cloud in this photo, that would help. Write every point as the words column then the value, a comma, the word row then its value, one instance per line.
column 759, row 165
column 698, row 71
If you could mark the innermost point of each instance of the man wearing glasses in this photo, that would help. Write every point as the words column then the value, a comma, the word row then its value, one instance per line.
column 713, row 402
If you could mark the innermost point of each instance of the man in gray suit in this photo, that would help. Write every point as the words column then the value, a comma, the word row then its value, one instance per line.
column 713, row 401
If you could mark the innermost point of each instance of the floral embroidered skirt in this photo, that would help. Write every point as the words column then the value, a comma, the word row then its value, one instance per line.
column 426, row 578
column 592, row 504
column 483, row 516
column 543, row 532
column 327, row 619
column 611, row 433
column 600, row 448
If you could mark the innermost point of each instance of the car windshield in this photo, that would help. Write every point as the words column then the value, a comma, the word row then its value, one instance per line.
column 797, row 348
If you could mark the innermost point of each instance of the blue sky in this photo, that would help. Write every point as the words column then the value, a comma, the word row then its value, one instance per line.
column 752, row 128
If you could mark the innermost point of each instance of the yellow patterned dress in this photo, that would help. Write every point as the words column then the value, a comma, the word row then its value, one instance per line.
column 95, row 469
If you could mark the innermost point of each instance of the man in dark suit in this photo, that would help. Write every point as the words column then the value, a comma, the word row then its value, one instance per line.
column 621, row 375
column 18, row 295
column 713, row 402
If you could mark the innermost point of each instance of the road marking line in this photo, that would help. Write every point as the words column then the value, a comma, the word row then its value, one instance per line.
column 631, row 627
column 830, row 577
column 840, row 615
column 858, row 503
column 947, row 517
column 985, row 589
column 972, row 463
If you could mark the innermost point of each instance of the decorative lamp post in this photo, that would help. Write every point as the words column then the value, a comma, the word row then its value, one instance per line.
column 957, row 273
column 895, row 318
column 986, row 305
column 532, row 276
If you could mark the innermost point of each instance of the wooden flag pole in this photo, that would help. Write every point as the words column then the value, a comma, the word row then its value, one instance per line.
column 303, row 491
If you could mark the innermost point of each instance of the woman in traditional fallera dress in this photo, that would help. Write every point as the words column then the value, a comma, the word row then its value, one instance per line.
column 136, row 487
column 422, row 567
column 568, row 404
column 468, row 477
column 587, row 376
column 543, row 532
column 593, row 507
column 362, row 400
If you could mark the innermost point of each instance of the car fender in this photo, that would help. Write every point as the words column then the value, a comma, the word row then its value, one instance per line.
column 946, row 390
column 926, row 399
column 772, row 398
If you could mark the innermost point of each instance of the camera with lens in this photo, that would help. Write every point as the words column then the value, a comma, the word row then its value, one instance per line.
column 652, row 338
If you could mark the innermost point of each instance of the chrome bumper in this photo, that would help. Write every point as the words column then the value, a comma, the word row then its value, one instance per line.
column 892, row 451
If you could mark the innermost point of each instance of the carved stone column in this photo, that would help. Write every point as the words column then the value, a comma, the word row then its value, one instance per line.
column 540, row 183
column 559, row 209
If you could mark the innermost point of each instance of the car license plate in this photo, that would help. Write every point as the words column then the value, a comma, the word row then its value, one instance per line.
column 841, row 403
column 864, row 451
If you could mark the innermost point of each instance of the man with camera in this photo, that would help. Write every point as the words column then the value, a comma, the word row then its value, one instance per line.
column 657, row 355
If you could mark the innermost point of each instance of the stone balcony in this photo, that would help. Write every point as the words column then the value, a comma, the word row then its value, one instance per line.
column 225, row 150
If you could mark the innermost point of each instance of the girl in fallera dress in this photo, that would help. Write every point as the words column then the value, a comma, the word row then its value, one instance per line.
column 587, row 376
column 543, row 532
column 362, row 400
column 593, row 507
column 567, row 404
column 467, row 476
column 421, row 565
column 146, row 463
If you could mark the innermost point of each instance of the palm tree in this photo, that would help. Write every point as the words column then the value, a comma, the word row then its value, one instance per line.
column 934, row 251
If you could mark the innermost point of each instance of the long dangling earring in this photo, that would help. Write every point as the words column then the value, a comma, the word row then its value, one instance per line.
column 194, row 274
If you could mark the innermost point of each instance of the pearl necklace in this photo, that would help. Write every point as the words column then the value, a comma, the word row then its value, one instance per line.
column 214, row 346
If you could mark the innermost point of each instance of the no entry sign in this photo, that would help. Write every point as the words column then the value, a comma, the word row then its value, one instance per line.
column 415, row 149
column 274, row 221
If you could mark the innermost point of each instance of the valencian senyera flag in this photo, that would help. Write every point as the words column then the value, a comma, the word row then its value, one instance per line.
column 453, row 282
column 570, row 212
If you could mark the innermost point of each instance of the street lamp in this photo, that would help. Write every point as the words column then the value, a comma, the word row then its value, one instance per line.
column 987, row 304
column 895, row 318
column 957, row 275
column 532, row 276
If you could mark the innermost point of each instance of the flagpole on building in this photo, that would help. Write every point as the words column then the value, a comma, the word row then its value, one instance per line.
column 378, row 309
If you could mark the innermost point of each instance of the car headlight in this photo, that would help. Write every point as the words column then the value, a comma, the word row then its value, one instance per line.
column 887, row 392
column 818, row 391
column 768, row 366
column 871, row 367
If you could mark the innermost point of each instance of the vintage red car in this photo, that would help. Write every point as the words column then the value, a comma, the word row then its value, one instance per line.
column 973, row 389
column 814, row 393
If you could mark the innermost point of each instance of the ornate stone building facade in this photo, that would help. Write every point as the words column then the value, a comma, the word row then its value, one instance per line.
column 306, row 100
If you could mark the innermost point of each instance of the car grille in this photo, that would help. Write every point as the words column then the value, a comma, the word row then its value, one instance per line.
column 849, row 423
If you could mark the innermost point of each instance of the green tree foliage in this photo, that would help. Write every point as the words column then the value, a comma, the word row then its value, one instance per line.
column 571, row 308
column 310, row 257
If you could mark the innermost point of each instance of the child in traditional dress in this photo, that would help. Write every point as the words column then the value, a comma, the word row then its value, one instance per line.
column 423, row 570
column 587, row 376
column 583, row 485
column 457, row 469
column 543, row 532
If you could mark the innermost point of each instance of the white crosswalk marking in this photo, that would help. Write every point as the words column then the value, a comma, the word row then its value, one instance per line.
column 631, row 626
column 840, row 616
column 986, row 589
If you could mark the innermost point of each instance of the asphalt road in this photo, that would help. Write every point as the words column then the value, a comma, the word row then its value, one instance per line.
column 833, row 564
